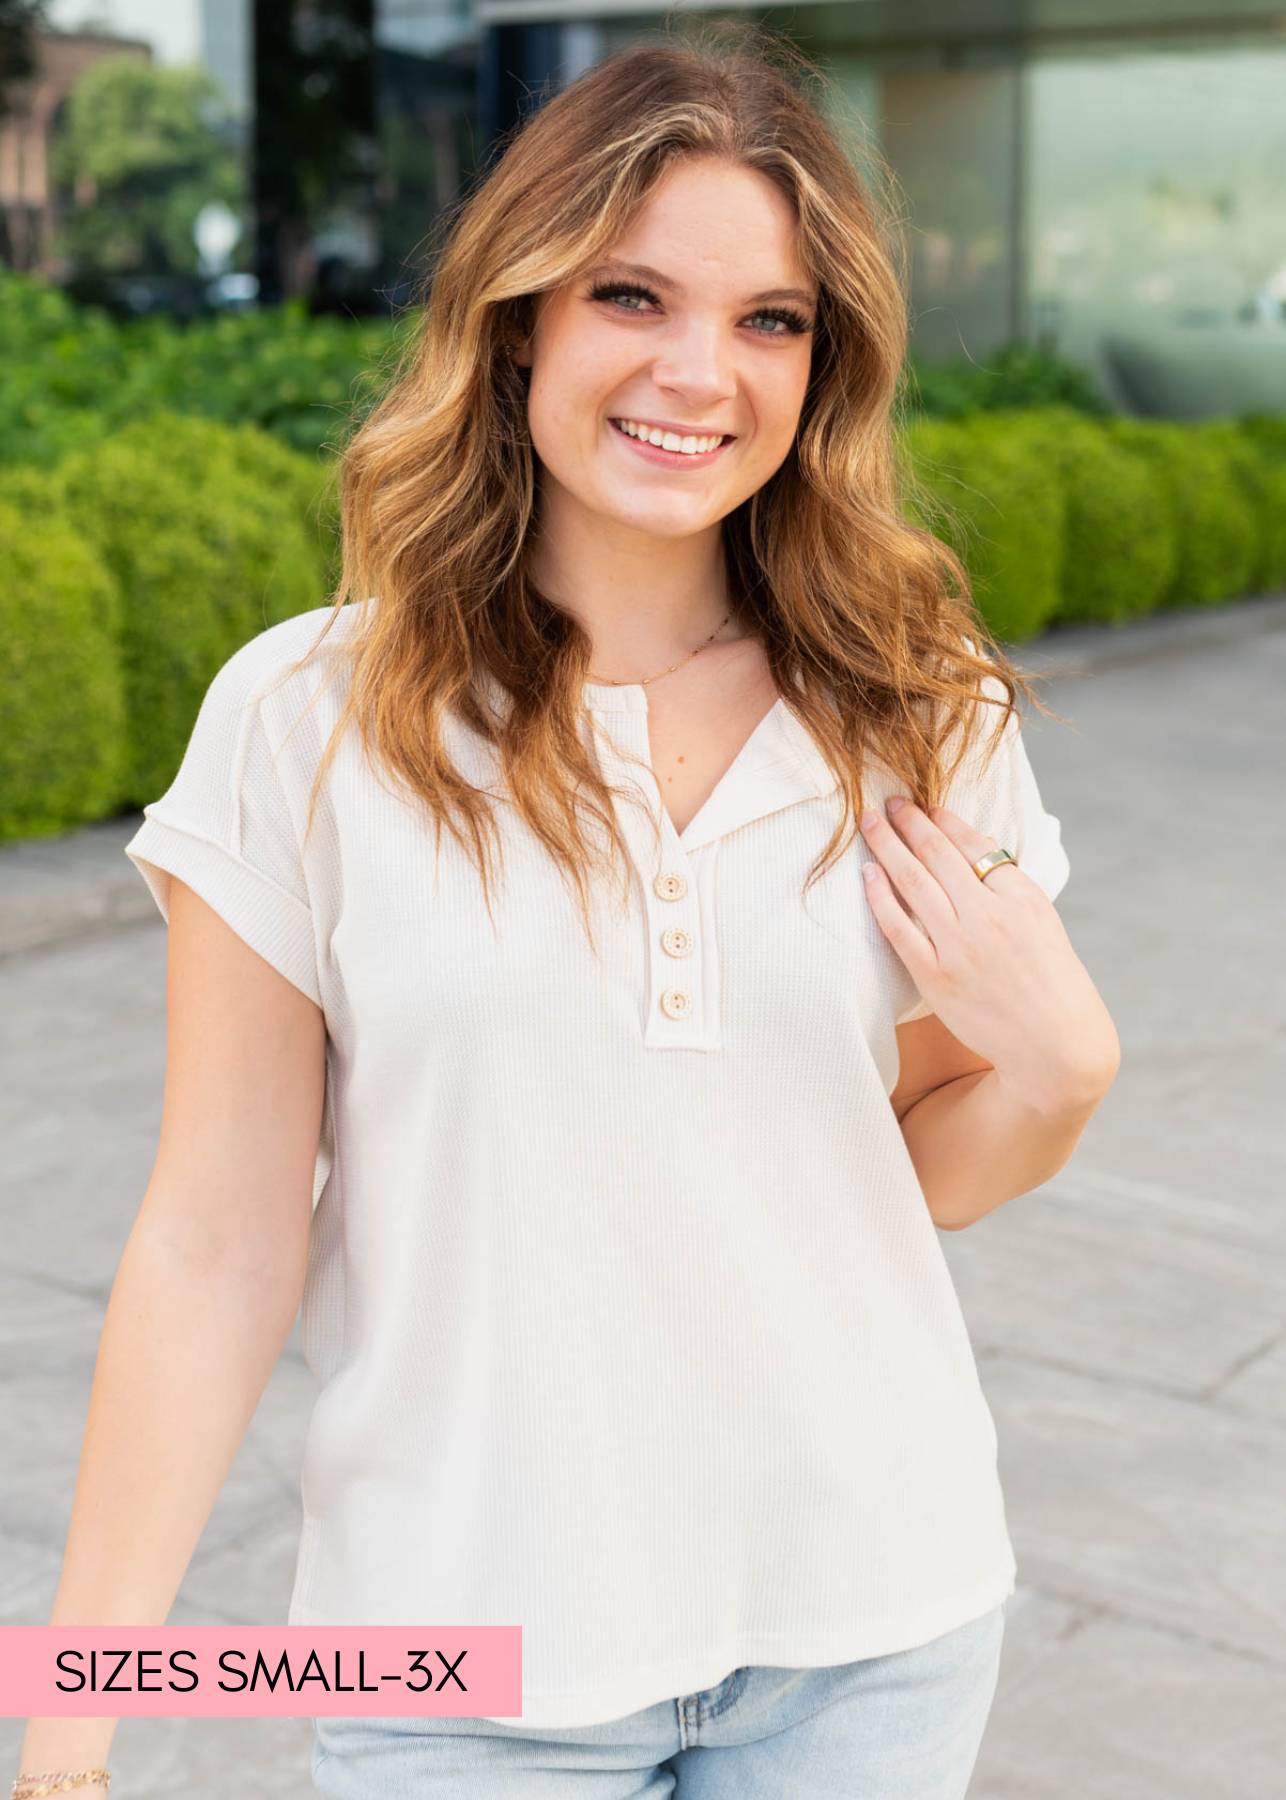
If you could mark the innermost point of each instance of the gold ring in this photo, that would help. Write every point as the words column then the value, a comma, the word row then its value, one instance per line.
column 992, row 860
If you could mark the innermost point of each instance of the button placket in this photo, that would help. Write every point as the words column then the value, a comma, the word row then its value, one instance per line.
column 675, row 973
column 779, row 765
column 677, row 1016
column 679, row 1011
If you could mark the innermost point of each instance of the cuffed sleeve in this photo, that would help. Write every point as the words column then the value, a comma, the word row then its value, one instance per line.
column 225, row 827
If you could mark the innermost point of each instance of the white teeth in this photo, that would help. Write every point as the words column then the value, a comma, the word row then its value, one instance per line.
column 668, row 440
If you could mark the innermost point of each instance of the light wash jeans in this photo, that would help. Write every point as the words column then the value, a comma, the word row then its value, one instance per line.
column 901, row 1727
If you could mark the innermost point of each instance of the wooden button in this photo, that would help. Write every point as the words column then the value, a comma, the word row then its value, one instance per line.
column 676, row 941
column 675, row 1004
column 670, row 885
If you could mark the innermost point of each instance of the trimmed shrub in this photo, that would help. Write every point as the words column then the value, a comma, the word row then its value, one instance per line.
column 313, row 484
column 205, row 553
column 33, row 490
column 75, row 374
column 988, row 490
column 1215, row 531
column 62, row 690
column 1119, row 546
column 1267, row 430
column 1261, row 473
column 62, row 362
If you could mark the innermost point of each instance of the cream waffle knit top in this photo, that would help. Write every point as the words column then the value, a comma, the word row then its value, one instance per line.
column 630, row 1322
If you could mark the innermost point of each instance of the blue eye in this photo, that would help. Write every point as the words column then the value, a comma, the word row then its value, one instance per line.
column 794, row 323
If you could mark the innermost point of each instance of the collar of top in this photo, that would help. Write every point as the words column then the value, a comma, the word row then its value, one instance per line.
column 779, row 764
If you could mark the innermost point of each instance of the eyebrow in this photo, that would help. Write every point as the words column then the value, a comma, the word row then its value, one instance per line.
column 667, row 284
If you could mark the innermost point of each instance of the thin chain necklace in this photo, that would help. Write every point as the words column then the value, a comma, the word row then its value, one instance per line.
column 602, row 680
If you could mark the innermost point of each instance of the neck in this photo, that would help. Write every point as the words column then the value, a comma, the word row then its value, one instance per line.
column 643, row 600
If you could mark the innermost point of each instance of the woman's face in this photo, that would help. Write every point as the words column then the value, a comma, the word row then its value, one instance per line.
column 708, row 333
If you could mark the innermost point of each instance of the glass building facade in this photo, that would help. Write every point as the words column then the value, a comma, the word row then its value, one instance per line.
column 1099, row 177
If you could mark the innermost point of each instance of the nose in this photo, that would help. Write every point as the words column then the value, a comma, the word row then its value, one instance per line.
column 696, row 361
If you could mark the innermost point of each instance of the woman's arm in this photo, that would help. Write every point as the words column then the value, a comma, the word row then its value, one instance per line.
column 974, row 1143
column 205, row 1294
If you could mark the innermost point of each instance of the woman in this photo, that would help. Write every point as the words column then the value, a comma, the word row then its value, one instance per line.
column 643, row 1088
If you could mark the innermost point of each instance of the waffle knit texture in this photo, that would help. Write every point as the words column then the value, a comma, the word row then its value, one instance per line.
column 630, row 1322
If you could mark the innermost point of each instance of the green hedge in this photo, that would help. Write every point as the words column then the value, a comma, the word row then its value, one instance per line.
column 62, row 688
column 151, row 555
column 1119, row 550
column 989, row 491
column 206, row 555
column 312, row 487
column 1261, row 475
column 1268, row 432
column 1213, row 520
column 1061, row 517
column 75, row 374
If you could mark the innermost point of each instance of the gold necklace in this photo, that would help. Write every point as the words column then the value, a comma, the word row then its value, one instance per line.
column 673, row 666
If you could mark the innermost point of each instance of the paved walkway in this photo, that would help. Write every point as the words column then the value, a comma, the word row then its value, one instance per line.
column 1128, row 1318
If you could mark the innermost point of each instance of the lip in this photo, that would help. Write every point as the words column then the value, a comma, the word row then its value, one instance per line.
column 669, row 459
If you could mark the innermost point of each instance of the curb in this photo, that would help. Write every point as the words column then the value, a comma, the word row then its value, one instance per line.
column 76, row 886
column 1084, row 649
column 79, row 886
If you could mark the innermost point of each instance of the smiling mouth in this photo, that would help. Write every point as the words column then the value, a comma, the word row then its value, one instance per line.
column 673, row 446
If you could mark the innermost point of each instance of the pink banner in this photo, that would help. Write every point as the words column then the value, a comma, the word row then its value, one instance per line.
column 260, row 1671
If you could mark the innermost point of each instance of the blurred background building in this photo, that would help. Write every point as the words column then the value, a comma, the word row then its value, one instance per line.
column 1100, row 178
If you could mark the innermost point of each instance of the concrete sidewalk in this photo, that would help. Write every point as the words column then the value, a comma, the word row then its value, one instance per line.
column 1129, row 1318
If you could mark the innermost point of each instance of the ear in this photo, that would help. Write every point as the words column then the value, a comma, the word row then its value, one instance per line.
column 518, row 328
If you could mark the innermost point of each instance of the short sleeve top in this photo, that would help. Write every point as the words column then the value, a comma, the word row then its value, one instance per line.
column 631, row 1323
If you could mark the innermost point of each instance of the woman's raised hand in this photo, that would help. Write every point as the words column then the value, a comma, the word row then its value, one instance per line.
column 992, row 959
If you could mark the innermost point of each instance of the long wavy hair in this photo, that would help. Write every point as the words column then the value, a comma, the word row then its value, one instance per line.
column 867, row 620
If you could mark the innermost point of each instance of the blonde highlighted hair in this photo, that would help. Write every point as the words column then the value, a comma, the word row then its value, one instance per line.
column 867, row 621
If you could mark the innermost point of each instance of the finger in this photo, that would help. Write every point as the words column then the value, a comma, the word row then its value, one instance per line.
column 915, row 883
column 905, row 936
column 973, row 844
column 939, row 854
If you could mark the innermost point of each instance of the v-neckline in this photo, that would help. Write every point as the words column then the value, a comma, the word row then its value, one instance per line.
column 743, row 754
column 792, row 769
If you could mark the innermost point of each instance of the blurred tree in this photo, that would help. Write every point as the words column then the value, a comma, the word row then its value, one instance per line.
column 140, row 153
column 18, row 22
